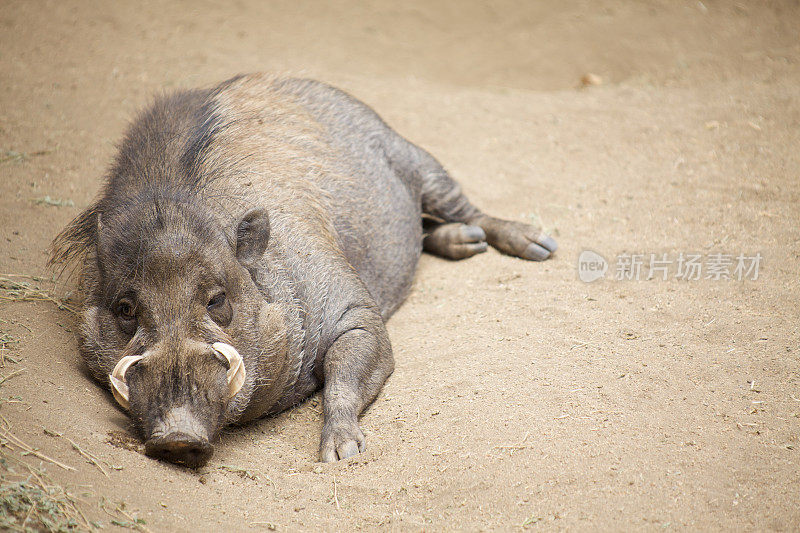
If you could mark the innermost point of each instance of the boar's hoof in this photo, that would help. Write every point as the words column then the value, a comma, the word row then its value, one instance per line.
column 180, row 448
column 455, row 240
column 340, row 442
column 517, row 239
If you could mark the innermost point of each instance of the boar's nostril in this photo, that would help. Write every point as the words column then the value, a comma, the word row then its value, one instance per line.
column 180, row 448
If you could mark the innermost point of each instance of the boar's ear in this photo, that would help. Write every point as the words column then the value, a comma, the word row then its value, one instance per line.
column 252, row 235
column 75, row 240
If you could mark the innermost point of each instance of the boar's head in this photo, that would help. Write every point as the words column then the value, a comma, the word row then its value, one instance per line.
column 171, row 310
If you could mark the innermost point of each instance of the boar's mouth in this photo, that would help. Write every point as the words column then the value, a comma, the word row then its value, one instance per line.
column 177, row 435
column 181, row 449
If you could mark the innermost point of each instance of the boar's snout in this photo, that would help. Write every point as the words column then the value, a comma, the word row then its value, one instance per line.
column 182, row 448
column 180, row 437
column 178, row 397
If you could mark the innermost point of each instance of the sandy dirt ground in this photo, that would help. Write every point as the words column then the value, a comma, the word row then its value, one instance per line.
column 522, row 397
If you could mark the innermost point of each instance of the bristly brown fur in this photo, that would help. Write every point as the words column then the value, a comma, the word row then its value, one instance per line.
column 175, row 133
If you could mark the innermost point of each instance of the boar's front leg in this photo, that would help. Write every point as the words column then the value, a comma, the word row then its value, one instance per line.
column 355, row 368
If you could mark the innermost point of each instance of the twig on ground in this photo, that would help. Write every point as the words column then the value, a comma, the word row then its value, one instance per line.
column 6, row 434
column 583, row 344
column 240, row 471
column 21, row 291
column 130, row 522
column 89, row 457
column 268, row 525
column 137, row 522
column 336, row 493
column 15, row 373
column 515, row 447
column 20, row 157
column 54, row 202
column 7, row 340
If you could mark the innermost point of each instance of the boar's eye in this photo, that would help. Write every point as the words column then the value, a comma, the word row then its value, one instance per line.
column 219, row 309
column 126, row 315
column 216, row 301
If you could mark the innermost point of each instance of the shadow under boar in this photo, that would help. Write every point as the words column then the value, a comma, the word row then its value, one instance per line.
column 248, row 245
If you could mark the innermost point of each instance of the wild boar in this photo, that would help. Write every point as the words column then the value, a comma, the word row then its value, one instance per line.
column 245, row 251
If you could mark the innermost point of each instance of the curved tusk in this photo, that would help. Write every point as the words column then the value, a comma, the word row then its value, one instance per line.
column 119, row 387
column 236, row 372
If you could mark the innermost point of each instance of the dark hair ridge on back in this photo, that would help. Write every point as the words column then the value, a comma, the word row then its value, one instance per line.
column 149, row 152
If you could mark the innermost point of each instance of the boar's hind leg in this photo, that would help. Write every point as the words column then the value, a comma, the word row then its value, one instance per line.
column 355, row 367
column 442, row 198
